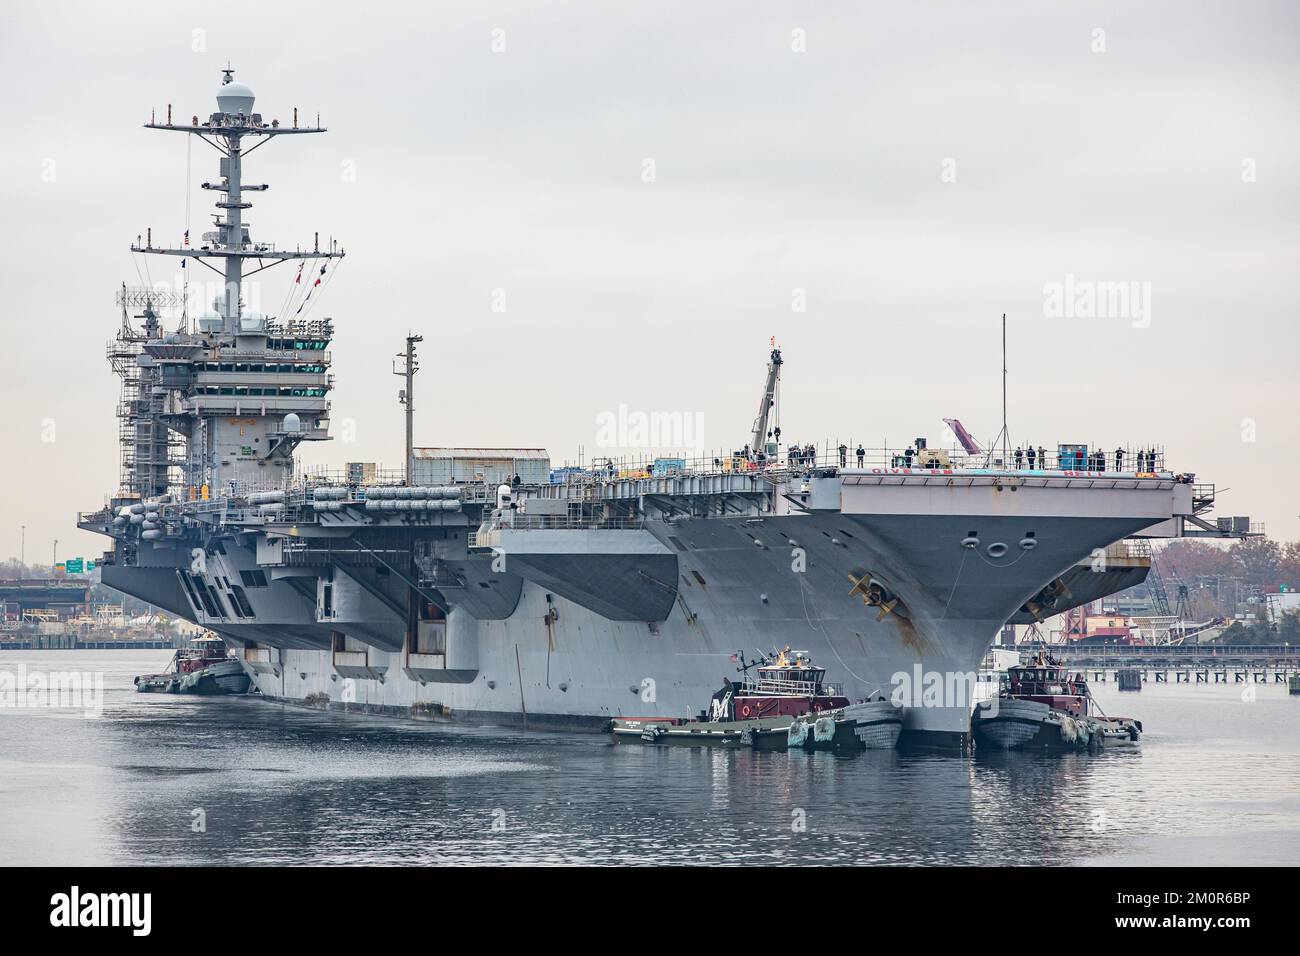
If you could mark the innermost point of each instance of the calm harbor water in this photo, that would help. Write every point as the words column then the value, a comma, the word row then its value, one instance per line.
column 1216, row 780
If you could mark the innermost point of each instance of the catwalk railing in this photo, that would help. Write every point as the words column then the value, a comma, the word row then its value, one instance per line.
column 812, row 459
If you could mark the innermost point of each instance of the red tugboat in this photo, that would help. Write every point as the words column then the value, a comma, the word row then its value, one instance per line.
column 202, row 668
column 788, row 705
column 788, row 685
column 1042, row 706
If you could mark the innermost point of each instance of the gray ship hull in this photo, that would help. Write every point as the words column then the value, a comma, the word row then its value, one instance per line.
column 740, row 584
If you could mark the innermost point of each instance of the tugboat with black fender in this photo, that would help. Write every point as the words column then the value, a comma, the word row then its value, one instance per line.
column 787, row 707
column 203, row 667
column 1041, row 706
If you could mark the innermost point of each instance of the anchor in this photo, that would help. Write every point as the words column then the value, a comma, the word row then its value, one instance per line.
column 874, row 594
column 1046, row 599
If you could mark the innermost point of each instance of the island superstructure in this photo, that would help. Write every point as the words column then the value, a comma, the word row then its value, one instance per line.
column 479, row 585
column 233, row 393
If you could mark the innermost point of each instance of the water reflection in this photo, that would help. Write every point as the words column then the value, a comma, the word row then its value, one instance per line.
column 284, row 785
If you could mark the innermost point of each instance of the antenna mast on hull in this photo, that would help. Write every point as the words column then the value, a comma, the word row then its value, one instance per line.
column 1004, row 436
column 406, row 366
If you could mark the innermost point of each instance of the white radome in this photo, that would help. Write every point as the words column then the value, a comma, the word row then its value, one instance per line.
column 235, row 98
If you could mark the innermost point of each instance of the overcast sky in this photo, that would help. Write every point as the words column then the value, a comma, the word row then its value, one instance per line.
column 915, row 169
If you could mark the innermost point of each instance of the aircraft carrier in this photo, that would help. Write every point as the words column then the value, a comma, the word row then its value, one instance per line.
column 482, row 585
